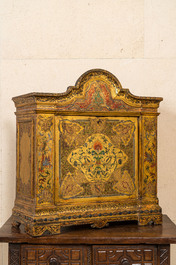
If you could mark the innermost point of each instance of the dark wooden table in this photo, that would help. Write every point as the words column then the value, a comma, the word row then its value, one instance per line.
column 118, row 244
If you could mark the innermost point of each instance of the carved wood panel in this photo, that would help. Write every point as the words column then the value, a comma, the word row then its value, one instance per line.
column 124, row 255
column 14, row 254
column 78, row 255
column 53, row 255
column 164, row 255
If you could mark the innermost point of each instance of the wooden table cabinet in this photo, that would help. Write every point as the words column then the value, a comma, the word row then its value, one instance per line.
column 118, row 244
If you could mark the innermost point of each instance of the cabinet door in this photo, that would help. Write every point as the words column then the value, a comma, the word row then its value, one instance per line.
column 124, row 255
column 53, row 255
column 95, row 157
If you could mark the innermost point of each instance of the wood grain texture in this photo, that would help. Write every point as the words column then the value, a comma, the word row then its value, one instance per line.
column 25, row 254
column 164, row 255
column 14, row 254
column 54, row 255
column 124, row 255
column 125, row 244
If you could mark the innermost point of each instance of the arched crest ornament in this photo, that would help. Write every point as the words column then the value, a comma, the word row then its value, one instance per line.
column 92, row 156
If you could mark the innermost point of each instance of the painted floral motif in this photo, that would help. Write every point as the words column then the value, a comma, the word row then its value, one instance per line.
column 96, row 164
column 44, row 123
column 98, row 97
column 125, row 184
column 97, row 158
column 45, row 157
column 68, row 129
column 125, row 130
column 69, row 188
column 150, row 160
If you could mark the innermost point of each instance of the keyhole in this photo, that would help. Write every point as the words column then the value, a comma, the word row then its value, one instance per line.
column 53, row 261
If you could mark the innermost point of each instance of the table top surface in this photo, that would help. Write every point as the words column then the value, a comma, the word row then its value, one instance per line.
column 116, row 233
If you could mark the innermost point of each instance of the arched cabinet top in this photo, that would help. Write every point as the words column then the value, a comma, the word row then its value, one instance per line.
column 96, row 91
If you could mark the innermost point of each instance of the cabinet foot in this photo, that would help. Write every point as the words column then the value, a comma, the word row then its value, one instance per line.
column 39, row 230
column 150, row 220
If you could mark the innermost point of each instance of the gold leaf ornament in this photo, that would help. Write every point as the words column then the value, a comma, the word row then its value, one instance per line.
column 125, row 130
column 70, row 130
column 97, row 158
column 125, row 184
column 69, row 188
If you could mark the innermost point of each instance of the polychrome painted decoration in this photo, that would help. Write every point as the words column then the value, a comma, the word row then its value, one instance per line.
column 86, row 156
column 97, row 97
column 97, row 157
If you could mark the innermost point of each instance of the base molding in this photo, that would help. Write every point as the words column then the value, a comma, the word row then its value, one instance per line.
column 38, row 226
column 150, row 219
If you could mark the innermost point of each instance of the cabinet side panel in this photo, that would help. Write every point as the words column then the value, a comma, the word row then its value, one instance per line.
column 25, row 159
column 149, row 156
column 45, row 159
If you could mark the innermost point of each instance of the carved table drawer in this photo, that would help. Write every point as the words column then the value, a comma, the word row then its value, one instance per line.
column 124, row 255
column 53, row 255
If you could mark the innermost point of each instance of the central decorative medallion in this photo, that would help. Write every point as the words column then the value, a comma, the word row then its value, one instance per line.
column 97, row 158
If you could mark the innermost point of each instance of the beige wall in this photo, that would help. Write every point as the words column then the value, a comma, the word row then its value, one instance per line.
column 46, row 45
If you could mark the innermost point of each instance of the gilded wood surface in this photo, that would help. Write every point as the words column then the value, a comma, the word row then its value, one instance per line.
column 86, row 156
column 149, row 156
column 25, row 159
column 109, row 92
column 101, row 158
column 45, row 159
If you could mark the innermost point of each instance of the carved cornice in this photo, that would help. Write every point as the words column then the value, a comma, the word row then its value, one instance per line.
column 96, row 91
